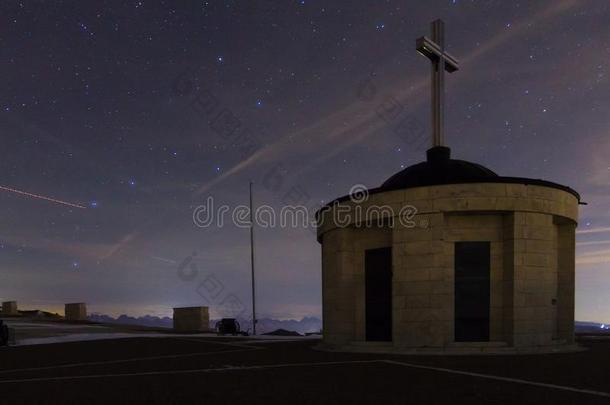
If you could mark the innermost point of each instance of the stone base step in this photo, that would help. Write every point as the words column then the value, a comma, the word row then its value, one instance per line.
column 478, row 345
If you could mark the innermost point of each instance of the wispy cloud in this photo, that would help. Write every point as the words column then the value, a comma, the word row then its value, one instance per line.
column 593, row 230
column 601, row 257
column 593, row 243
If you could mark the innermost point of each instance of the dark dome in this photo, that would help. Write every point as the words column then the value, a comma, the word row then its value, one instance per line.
column 439, row 169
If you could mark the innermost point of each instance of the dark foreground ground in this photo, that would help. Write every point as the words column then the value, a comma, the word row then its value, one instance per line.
column 185, row 370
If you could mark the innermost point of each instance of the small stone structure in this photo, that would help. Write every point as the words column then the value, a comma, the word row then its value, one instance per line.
column 76, row 312
column 10, row 308
column 191, row 319
column 486, row 264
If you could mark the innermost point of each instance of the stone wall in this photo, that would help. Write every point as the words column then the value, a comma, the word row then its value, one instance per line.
column 533, row 282
column 423, row 285
column 343, row 282
column 566, row 243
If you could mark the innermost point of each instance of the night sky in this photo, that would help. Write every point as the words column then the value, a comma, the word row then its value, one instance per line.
column 140, row 110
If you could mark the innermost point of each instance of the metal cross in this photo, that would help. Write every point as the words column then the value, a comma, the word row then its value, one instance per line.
column 434, row 49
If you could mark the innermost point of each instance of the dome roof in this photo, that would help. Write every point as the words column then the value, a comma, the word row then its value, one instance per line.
column 439, row 168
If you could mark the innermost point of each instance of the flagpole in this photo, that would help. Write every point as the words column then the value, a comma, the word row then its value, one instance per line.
column 252, row 264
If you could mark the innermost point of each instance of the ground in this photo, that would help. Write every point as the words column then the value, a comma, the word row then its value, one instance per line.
column 203, row 369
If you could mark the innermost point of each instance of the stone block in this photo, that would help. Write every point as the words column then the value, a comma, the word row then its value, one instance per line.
column 527, row 325
column 496, row 290
column 191, row 319
column 438, row 301
column 438, row 273
column 473, row 234
column 425, row 261
column 536, row 299
column 75, row 311
column 414, row 274
column 534, row 232
column 416, row 234
column 442, row 287
column 417, row 193
column 508, row 204
column 529, row 340
column 422, row 206
column 542, row 192
column 465, row 204
column 417, row 248
column 395, row 196
column 398, row 302
column 10, row 308
column 516, row 190
column 417, row 301
column 470, row 190
column 413, row 287
column 535, row 219
column 538, row 246
column 536, row 259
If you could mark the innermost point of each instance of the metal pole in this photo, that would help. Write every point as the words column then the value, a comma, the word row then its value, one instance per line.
column 252, row 263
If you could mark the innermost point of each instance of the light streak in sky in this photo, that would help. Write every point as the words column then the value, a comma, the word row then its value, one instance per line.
column 593, row 230
column 42, row 197
column 162, row 259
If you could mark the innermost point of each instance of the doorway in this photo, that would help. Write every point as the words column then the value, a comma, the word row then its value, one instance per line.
column 472, row 291
column 378, row 294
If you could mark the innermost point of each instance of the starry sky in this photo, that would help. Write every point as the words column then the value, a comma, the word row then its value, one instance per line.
column 128, row 115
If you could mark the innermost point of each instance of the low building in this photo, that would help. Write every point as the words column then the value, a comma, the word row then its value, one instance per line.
column 192, row 319
column 76, row 311
column 9, row 308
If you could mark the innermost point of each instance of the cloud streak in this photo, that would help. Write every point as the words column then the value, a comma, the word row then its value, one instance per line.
column 593, row 230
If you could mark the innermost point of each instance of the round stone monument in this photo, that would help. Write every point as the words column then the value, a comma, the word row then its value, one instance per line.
column 447, row 256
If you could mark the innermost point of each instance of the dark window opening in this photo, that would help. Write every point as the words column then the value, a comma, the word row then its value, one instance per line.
column 378, row 294
column 472, row 295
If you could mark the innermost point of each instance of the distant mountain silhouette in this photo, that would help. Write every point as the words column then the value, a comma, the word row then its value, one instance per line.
column 264, row 325
column 147, row 320
column 282, row 332
column 591, row 327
